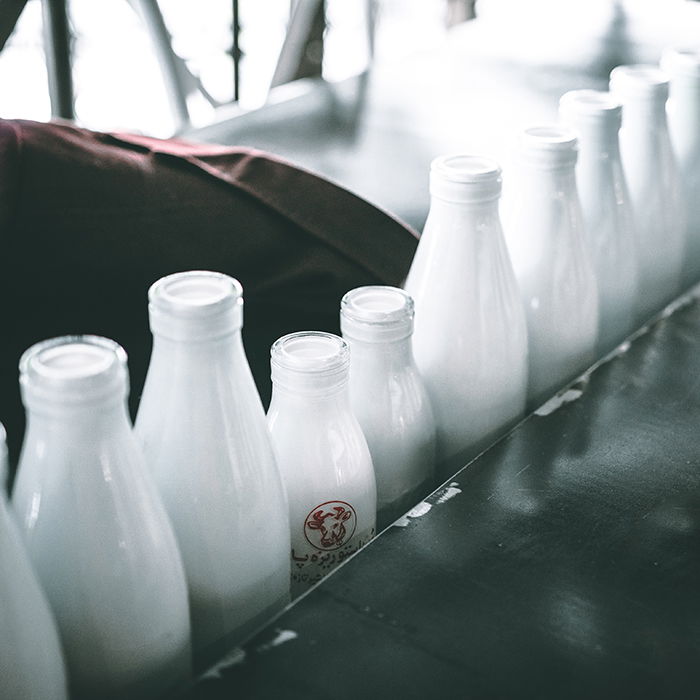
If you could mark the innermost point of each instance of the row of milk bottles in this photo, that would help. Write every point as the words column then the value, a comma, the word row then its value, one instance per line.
column 602, row 229
column 182, row 535
column 152, row 543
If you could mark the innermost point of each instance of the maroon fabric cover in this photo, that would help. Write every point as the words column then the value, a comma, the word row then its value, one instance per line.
column 88, row 221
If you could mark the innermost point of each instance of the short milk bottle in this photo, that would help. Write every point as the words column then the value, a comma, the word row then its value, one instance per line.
column 388, row 397
column 322, row 453
column 545, row 233
column 203, row 431
column 31, row 662
column 607, row 211
column 654, row 184
column 94, row 526
column 683, row 114
column 470, row 340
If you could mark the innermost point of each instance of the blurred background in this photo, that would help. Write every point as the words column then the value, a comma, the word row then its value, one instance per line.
column 164, row 67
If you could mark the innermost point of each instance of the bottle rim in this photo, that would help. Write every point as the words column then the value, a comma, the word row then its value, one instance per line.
column 195, row 305
column 195, row 293
column 466, row 168
column 74, row 369
column 546, row 138
column 378, row 313
column 593, row 103
column 463, row 177
column 310, row 352
column 639, row 81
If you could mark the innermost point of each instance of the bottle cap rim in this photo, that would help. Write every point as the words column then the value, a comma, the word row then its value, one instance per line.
column 74, row 369
column 639, row 80
column 465, row 168
column 310, row 352
column 376, row 314
column 596, row 103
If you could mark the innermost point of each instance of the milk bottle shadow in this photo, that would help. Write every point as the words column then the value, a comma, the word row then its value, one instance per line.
column 555, row 434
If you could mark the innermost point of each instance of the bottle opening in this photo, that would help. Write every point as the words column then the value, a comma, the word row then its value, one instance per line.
column 74, row 360
column 549, row 138
column 465, row 178
column 591, row 102
column 195, row 305
column 74, row 369
column 310, row 351
column 466, row 168
column 376, row 313
column 197, row 292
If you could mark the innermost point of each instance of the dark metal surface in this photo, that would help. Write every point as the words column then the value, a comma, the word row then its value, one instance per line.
column 562, row 563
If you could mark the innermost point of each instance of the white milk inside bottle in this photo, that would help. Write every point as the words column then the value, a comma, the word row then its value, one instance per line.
column 94, row 527
column 683, row 114
column 322, row 453
column 470, row 340
column 544, row 231
column 31, row 663
column 654, row 184
column 204, row 435
column 607, row 210
column 388, row 397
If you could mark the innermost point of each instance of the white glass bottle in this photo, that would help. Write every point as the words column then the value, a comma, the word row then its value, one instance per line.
column 322, row 453
column 31, row 663
column 683, row 114
column 95, row 529
column 470, row 340
column 544, row 231
column 203, row 431
column 607, row 210
column 388, row 397
column 654, row 185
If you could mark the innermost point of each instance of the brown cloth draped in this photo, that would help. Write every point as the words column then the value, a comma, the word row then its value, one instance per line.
column 88, row 221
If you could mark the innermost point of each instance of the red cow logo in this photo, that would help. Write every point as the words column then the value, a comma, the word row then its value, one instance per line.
column 330, row 525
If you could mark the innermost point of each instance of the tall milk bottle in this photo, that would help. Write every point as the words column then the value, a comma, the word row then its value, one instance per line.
column 322, row 453
column 683, row 114
column 94, row 526
column 203, row 431
column 607, row 210
column 544, row 230
column 470, row 340
column 654, row 183
column 31, row 663
column 388, row 397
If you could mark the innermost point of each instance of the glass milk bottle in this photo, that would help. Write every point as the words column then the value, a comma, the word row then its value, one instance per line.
column 322, row 453
column 653, row 180
column 470, row 341
column 607, row 210
column 683, row 114
column 544, row 230
column 95, row 529
column 31, row 664
column 388, row 397
column 204, row 435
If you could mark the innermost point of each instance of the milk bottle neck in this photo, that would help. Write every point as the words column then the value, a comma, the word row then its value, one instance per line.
column 94, row 419
column 561, row 178
column 211, row 350
column 644, row 113
column 297, row 396
column 599, row 138
column 393, row 354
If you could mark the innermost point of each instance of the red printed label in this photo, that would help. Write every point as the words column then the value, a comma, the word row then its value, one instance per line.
column 330, row 525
